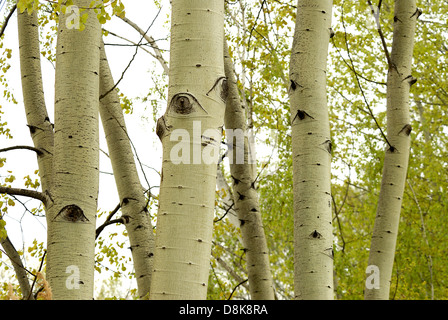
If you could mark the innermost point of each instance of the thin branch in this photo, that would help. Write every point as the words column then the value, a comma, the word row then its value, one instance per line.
column 26, row 193
column 359, row 83
column 35, row 276
column 122, row 220
column 255, row 23
column 38, row 151
column 108, row 220
column 236, row 287
column 2, row 30
column 132, row 59
column 152, row 42
column 227, row 211
column 376, row 16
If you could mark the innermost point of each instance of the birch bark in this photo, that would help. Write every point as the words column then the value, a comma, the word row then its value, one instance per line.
column 311, row 150
column 399, row 81
column 131, row 193
column 72, row 216
column 190, row 131
column 245, row 195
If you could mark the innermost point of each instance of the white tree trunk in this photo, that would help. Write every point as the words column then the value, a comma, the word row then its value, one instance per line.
column 190, row 131
column 131, row 193
column 311, row 151
column 399, row 81
column 72, row 216
column 41, row 129
column 245, row 195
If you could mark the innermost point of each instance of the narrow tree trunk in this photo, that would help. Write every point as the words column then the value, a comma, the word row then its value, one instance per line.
column 399, row 81
column 131, row 193
column 41, row 129
column 72, row 216
column 311, row 151
column 195, row 116
column 245, row 195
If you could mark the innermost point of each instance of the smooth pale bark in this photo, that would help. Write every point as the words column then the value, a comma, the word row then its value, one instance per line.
column 399, row 81
column 311, row 151
column 72, row 217
column 245, row 195
column 131, row 193
column 41, row 129
column 190, row 131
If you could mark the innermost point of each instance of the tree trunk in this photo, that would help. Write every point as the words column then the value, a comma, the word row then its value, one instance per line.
column 41, row 129
column 131, row 193
column 311, row 151
column 399, row 81
column 245, row 195
column 195, row 115
column 72, row 216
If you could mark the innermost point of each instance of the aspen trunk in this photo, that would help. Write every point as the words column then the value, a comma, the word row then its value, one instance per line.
column 190, row 131
column 130, row 191
column 41, row 129
column 311, row 151
column 71, row 217
column 399, row 81
column 245, row 195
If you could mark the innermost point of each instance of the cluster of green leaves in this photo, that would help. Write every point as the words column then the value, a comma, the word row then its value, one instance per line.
column 104, row 9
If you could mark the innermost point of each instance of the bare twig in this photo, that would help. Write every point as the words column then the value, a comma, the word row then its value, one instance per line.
column 359, row 83
column 132, row 59
column 152, row 42
column 26, row 193
column 2, row 30
column 38, row 151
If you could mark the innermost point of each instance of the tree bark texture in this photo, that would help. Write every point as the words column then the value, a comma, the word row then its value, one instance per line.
column 131, row 193
column 311, row 151
column 71, row 217
column 41, row 129
column 399, row 81
column 244, row 191
column 190, row 131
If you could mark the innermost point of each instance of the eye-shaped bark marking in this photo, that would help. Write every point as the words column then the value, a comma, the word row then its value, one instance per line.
column 184, row 103
column 221, row 86
column 71, row 213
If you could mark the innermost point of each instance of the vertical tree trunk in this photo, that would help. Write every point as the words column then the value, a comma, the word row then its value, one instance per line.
column 245, row 195
column 399, row 81
column 72, row 216
column 311, row 151
column 195, row 116
column 130, row 191
column 41, row 129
